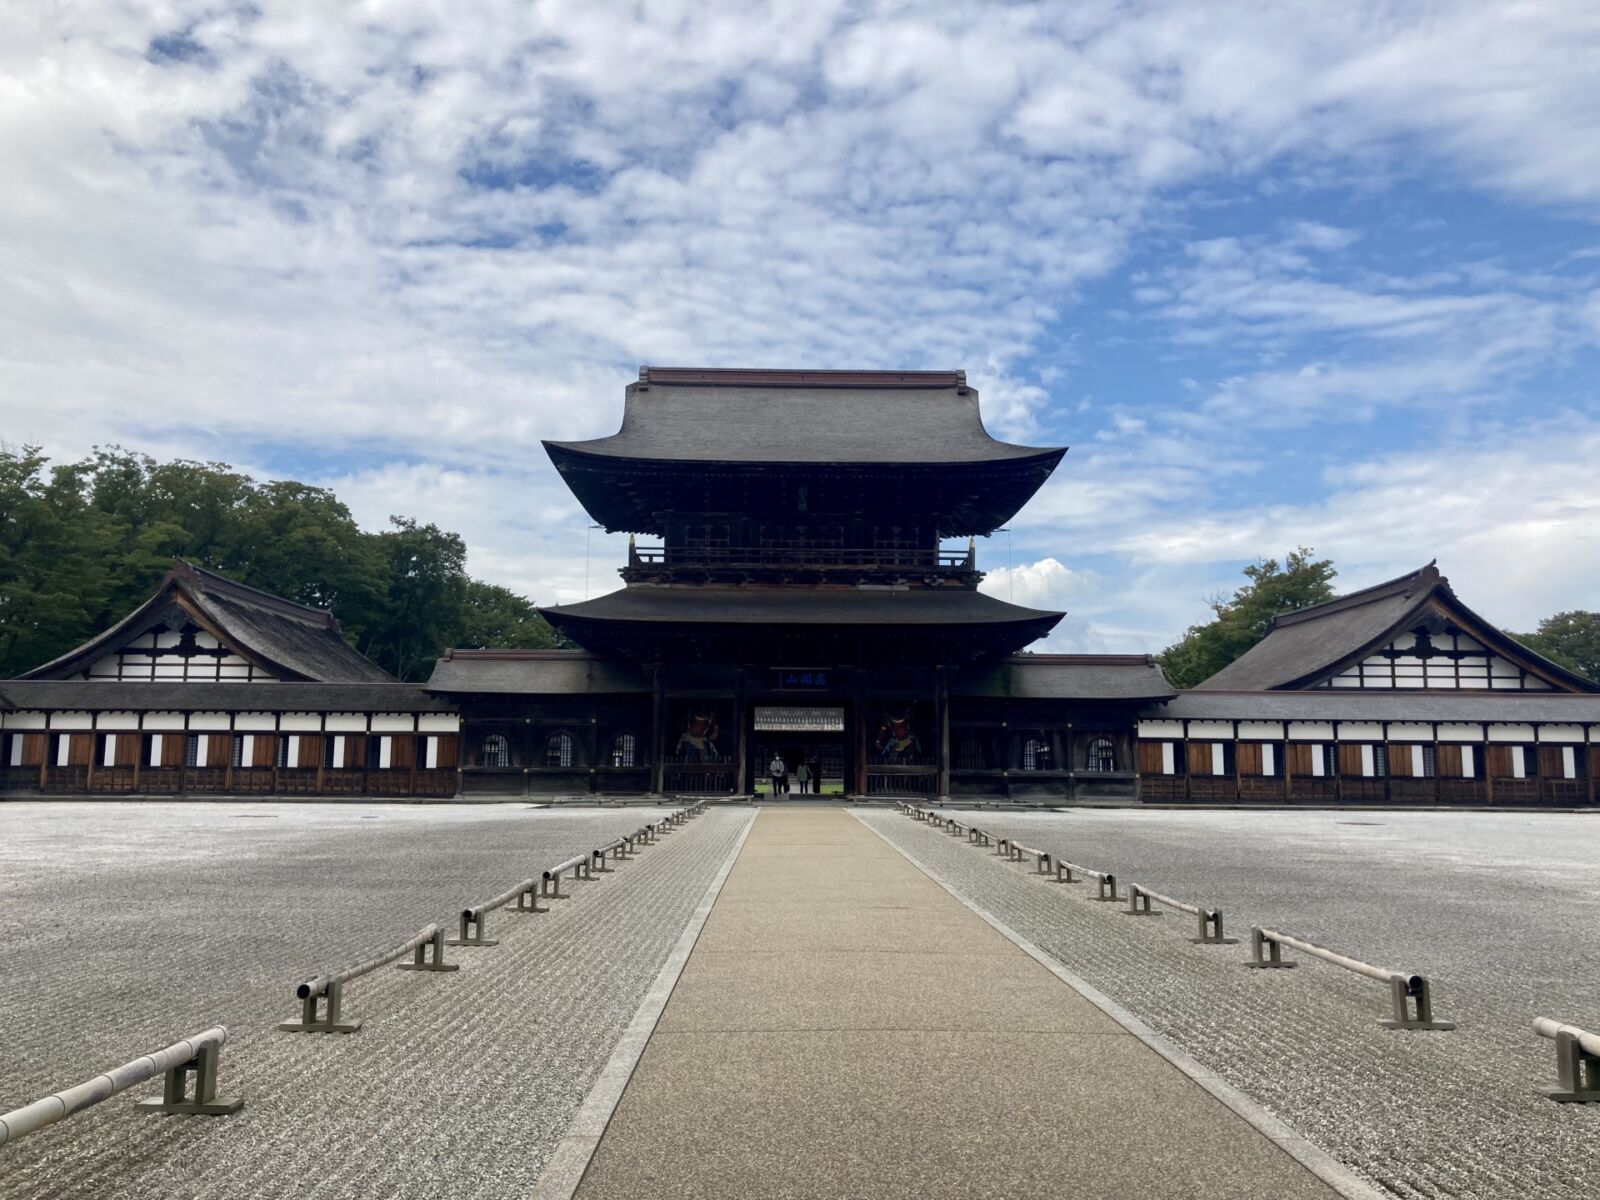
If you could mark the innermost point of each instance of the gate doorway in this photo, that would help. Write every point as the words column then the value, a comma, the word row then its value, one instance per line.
column 811, row 734
column 825, row 765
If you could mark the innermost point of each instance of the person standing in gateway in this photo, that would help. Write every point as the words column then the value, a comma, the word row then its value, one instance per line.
column 802, row 775
column 780, row 774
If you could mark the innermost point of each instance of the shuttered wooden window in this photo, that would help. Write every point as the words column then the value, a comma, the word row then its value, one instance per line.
column 449, row 752
column 1249, row 758
column 1350, row 759
column 1299, row 755
column 1499, row 758
column 310, row 756
column 1400, row 764
column 80, row 750
column 266, row 750
column 34, row 746
column 1150, row 758
column 1199, row 756
column 1450, row 761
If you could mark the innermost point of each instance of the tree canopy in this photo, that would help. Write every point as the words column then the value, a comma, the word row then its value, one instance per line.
column 1569, row 638
column 1241, row 619
column 82, row 544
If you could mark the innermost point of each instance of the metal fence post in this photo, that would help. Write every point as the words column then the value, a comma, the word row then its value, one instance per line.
column 202, row 1070
column 1577, row 1072
column 472, row 931
column 1415, row 988
column 1258, row 943
column 434, row 962
column 329, row 1020
column 1211, row 929
column 1137, row 909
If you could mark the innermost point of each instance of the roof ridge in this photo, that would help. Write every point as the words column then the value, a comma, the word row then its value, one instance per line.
column 514, row 654
column 1089, row 660
column 184, row 569
column 1407, row 584
column 791, row 377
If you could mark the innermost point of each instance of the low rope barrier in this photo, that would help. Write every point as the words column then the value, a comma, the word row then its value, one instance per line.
column 326, row 992
column 1577, row 1062
column 190, row 1087
column 1105, row 881
column 581, row 866
column 1140, row 899
column 1405, row 989
column 526, row 894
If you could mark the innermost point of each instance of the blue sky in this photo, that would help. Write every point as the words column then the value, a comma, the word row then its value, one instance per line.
column 1279, row 275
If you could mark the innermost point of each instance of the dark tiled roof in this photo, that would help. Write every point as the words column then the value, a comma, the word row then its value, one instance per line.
column 1339, row 704
column 799, row 605
column 106, row 696
column 1309, row 644
column 1068, row 677
column 832, row 417
column 293, row 640
column 534, row 673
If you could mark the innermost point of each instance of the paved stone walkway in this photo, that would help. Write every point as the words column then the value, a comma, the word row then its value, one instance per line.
column 847, row 1028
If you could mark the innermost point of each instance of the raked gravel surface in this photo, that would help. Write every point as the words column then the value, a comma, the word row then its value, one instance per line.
column 1501, row 911
column 126, row 926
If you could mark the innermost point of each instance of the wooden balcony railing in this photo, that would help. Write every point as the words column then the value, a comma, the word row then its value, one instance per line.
column 810, row 558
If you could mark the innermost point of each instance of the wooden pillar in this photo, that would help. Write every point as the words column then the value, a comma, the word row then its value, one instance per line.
column 1438, row 783
column 941, row 719
column 1338, row 768
column 415, row 766
column 1485, row 767
column 1238, row 770
column 658, row 716
column 322, row 751
column 741, row 748
column 860, row 783
column 1593, row 761
column 1388, row 767
column 1288, row 767
column 594, row 752
column 1188, row 768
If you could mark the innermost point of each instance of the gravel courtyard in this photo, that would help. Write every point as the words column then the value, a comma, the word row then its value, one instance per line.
column 125, row 926
column 1501, row 911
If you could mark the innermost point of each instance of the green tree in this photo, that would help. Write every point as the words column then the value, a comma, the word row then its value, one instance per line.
column 52, row 580
column 426, row 610
column 498, row 618
column 1242, row 619
column 1569, row 638
column 82, row 544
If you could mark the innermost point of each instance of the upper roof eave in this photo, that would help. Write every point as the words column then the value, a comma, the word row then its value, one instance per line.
column 608, row 451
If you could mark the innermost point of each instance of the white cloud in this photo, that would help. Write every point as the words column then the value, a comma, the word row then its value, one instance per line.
column 417, row 239
column 1046, row 584
column 1514, row 520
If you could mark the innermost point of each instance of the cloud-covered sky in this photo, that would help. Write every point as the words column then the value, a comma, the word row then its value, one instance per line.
column 1278, row 274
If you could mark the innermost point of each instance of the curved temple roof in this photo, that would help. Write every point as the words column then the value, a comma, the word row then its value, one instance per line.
column 788, row 417
column 1309, row 644
column 295, row 642
column 956, row 622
